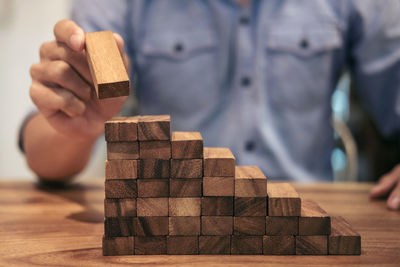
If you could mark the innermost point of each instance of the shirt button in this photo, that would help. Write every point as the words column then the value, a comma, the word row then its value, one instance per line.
column 245, row 81
column 304, row 44
column 244, row 20
column 178, row 47
column 250, row 145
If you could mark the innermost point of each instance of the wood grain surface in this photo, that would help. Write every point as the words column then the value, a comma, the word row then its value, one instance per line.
column 283, row 200
column 187, row 145
column 152, row 128
column 313, row 220
column 53, row 227
column 120, row 129
column 218, row 161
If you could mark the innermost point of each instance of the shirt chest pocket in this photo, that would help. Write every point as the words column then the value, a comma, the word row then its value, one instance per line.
column 300, row 65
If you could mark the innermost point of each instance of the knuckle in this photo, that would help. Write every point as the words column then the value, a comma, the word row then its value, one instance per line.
column 33, row 70
column 61, row 69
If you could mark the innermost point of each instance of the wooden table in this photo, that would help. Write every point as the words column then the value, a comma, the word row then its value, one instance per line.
column 64, row 227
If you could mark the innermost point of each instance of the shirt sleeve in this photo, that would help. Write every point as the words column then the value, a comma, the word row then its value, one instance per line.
column 374, row 34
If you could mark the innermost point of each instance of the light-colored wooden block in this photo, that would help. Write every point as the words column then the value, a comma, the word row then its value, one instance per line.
column 216, row 225
column 156, row 127
column 186, row 168
column 106, row 65
column 249, row 225
column 185, row 187
column 283, row 200
column 120, row 129
column 182, row 245
column 217, row 206
column 250, row 206
column 312, row 245
column 279, row 245
column 113, row 246
column 218, row 186
column 215, row 245
column 184, row 225
column 150, row 245
column 119, row 226
column 155, row 149
column 250, row 182
column 152, row 226
column 153, row 187
column 313, row 220
column 122, row 150
column 187, row 145
column 184, row 206
column 246, row 245
column 125, row 207
column 218, row 162
column 153, row 168
column 126, row 188
column 121, row 169
column 344, row 240
column 282, row 225
column 152, row 207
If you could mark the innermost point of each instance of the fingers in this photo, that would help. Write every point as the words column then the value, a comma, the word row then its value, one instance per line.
column 68, row 32
column 384, row 186
column 393, row 201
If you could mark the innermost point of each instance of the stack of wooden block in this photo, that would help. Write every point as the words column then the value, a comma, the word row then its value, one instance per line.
column 165, row 194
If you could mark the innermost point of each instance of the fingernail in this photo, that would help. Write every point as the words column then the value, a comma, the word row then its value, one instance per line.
column 394, row 203
column 76, row 41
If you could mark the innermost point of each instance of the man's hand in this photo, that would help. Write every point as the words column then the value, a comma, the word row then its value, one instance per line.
column 389, row 184
column 62, row 87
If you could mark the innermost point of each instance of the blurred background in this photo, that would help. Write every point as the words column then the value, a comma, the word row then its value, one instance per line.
column 361, row 153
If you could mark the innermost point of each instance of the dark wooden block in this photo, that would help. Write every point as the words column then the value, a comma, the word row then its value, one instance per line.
column 344, row 240
column 154, row 128
column 283, row 200
column 282, row 226
column 152, row 207
column 153, row 168
column 217, row 206
column 152, row 226
column 184, row 225
column 216, row 245
column 122, row 150
column 250, row 206
column 314, row 220
column 121, row 129
column 279, row 245
column 218, row 186
column 153, row 187
column 155, row 149
column 150, row 245
column 184, row 206
column 185, row 187
column 250, row 182
column 183, row 245
column 312, row 245
column 216, row 225
column 125, row 207
column 218, row 162
column 121, row 188
column 187, row 145
column 248, row 245
column 121, row 169
column 119, row 226
column 249, row 225
column 113, row 246
column 186, row 168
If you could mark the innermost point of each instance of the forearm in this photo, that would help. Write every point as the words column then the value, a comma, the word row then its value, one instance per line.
column 51, row 155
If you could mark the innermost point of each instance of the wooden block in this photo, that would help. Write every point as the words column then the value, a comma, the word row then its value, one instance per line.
column 106, row 65
column 152, row 207
column 113, row 246
column 187, row 145
column 217, row 206
column 185, row 187
column 184, row 206
column 121, row 169
column 120, row 207
column 249, row 225
column 250, row 206
column 153, row 187
column 153, row 168
column 246, row 245
column 119, row 226
column 216, row 245
column 283, row 200
column 186, row 168
column 155, row 149
column 250, row 182
column 152, row 226
column 218, row 162
column 314, row 220
column 344, row 240
column 121, row 188
column 216, row 225
column 152, row 128
column 121, row 129
column 122, row 150
column 279, row 245
column 183, row 245
column 184, row 225
column 312, row 245
column 218, row 186
column 150, row 245
column 282, row 226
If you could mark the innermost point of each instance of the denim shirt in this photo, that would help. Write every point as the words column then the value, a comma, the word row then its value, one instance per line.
column 258, row 78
